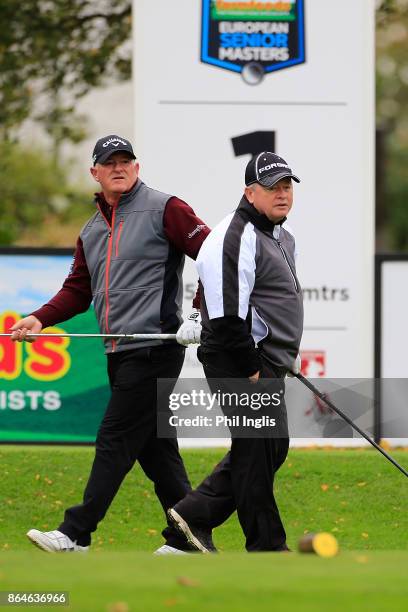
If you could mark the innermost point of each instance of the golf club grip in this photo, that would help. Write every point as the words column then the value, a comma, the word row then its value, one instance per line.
column 316, row 391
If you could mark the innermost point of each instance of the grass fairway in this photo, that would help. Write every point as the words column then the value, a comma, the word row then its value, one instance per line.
column 354, row 494
column 130, row 581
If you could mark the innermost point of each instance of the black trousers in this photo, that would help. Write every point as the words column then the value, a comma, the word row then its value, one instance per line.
column 242, row 481
column 128, row 433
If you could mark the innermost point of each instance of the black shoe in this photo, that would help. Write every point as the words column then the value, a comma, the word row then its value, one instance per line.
column 200, row 539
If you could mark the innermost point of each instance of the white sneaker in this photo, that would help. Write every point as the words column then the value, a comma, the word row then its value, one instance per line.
column 54, row 541
column 169, row 550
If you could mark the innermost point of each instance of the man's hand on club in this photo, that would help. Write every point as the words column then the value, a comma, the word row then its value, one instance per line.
column 190, row 330
column 28, row 325
column 296, row 366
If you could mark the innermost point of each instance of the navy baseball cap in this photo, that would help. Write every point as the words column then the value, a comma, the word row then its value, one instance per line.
column 108, row 145
column 267, row 168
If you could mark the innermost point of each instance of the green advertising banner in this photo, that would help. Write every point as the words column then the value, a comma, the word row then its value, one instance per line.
column 55, row 389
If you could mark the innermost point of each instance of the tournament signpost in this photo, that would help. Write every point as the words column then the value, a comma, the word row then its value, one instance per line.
column 217, row 81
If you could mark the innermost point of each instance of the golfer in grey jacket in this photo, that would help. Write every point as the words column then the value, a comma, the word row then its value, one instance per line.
column 252, row 317
column 129, row 261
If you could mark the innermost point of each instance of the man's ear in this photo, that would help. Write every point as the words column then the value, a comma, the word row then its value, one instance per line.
column 249, row 194
column 94, row 173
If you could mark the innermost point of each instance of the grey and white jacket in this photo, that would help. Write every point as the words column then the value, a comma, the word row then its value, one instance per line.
column 251, row 297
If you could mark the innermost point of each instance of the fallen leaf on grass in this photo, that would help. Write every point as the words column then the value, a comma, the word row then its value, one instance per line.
column 361, row 559
column 152, row 531
column 118, row 606
column 186, row 581
column 171, row 602
column 324, row 487
column 364, row 535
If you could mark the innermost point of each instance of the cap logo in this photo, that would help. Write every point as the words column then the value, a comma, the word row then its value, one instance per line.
column 270, row 166
column 115, row 142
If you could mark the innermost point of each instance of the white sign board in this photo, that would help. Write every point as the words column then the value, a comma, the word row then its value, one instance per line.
column 394, row 323
column 394, row 341
column 297, row 78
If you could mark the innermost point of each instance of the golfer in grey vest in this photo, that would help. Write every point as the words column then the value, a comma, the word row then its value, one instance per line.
column 252, row 321
column 128, row 260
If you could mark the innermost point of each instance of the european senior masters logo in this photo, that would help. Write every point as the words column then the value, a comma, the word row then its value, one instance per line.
column 253, row 37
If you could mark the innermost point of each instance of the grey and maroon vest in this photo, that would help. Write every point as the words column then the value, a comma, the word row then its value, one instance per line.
column 136, row 274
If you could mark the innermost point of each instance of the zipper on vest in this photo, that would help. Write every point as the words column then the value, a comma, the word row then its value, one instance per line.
column 288, row 264
column 107, row 272
column 118, row 238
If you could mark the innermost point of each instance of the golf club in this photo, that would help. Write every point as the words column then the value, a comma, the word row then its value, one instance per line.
column 113, row 336
column 316, row 391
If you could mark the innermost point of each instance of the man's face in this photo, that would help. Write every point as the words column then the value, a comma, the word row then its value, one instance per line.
column 275, row 202
column 118, row 174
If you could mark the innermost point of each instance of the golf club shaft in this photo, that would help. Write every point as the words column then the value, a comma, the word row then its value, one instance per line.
column 112, row 336
column 316, row 391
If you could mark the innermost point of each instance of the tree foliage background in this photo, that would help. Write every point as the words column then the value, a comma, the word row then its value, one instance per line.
column 392, row 124
column 60, row 48
column 53, row 52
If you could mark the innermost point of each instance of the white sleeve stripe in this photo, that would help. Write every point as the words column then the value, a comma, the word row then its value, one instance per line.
column 226, row 266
